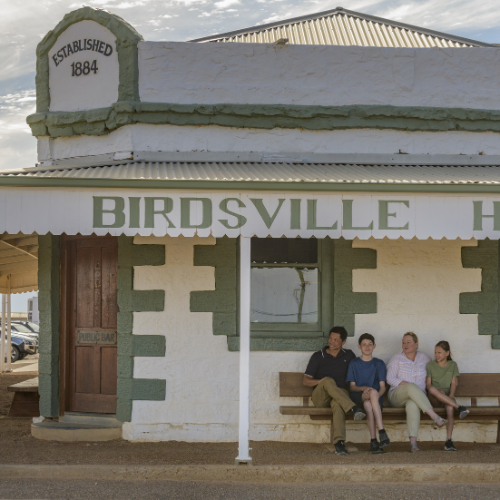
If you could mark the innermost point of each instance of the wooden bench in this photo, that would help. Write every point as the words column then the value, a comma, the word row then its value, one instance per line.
column 471, row 385
column 26, row 399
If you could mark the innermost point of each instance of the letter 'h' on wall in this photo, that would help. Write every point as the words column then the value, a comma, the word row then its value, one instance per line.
column 479, row 216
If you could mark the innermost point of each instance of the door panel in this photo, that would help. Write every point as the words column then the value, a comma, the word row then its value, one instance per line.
column 91, row 312
column 84, row 369
column 108, row 370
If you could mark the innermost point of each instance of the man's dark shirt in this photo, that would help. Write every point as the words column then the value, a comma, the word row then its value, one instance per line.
column 323, row 365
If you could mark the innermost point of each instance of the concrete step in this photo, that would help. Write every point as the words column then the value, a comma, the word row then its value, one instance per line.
column 99, row 419
column 72, row 431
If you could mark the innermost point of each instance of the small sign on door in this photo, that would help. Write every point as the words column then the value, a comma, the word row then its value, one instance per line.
column 96, row 337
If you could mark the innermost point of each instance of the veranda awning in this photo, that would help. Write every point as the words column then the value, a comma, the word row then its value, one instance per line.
column 254, row 199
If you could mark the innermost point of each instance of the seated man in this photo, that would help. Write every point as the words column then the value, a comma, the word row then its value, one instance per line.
column 326, row 372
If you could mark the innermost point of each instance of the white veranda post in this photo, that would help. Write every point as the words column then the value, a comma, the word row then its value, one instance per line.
column 3, row 349
column 9, row 316
column 244, row 421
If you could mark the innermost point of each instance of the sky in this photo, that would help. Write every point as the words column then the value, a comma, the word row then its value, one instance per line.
column 24, row 23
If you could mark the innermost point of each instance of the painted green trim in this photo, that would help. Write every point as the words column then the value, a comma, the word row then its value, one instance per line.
column 22, row 181
column 263, row 116
column 339, row 303
column 223, row 301
column 129, row 345
column 279, row 344
column 347, row 303
column 49, row 286
column 127, row 39
column 486, row 302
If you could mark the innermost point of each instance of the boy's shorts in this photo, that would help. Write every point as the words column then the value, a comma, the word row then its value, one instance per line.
column 357, row 397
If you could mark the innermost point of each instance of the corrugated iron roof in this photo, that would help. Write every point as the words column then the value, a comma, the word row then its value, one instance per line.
column 270, row 172
column 343, row 27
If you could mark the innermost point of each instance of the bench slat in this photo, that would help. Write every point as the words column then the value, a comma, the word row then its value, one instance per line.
column 30, row 385
column 469, row 385
column 487, row 411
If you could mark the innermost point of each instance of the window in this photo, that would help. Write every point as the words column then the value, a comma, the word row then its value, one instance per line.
column 290, row 279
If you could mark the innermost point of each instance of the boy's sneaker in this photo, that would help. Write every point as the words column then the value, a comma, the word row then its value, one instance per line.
column 463, row 412
column 340, row 448
column 448, row 446
column 357, row 413
column 375, row 447
column 384, row 439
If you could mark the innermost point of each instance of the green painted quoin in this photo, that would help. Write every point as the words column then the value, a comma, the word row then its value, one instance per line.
column 486, row 302
column 129, row 345
column 223, row 301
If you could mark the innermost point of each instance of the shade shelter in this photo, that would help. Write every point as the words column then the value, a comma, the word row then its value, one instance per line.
column 206, row 212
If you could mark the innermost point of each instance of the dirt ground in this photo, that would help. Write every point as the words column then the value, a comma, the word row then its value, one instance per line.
column 15, row 435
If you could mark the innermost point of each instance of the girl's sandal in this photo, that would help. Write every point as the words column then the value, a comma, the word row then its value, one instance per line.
column 439, row 422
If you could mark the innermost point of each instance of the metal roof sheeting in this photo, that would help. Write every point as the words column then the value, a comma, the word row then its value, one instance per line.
column 344, row 27
column 271, row 172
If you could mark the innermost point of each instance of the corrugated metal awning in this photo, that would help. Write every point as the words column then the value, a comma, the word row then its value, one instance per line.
column 277, row 172
column 344, row 27
column 18, row 263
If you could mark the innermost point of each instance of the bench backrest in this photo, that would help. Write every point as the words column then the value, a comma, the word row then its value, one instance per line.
column 475, row 385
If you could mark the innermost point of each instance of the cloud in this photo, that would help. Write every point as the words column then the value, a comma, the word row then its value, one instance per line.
column 224, row 4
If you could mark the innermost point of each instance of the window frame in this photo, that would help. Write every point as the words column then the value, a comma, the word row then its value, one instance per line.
column 321, row 328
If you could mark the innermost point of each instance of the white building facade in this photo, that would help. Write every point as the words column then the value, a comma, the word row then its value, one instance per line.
column 364, row 181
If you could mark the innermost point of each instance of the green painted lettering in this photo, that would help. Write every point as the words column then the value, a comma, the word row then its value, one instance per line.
column 295, row 214
column 150, row 212
column 134, row 212
column 347, row 217
column 241, row 220
column 265, row 215
column 206, row 208
column 117, row 211
column 383, row 214
column 311, row 216
column 478, row 215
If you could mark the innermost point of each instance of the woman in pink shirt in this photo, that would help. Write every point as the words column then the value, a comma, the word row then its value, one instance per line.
column 406, row 374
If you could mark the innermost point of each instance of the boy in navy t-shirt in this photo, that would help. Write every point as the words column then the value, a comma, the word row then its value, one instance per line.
column 366, row 377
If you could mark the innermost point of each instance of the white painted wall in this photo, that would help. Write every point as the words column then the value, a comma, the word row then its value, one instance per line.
column 318, row 75
column 91, row 91
column 167, row 138
column 418, row 285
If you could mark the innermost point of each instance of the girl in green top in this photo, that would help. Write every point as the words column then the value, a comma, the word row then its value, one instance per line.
column 441, row 384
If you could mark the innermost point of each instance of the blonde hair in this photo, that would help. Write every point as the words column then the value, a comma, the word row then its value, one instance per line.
column 412, row 335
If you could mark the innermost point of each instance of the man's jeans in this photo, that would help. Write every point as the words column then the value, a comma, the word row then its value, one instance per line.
column 327, row 394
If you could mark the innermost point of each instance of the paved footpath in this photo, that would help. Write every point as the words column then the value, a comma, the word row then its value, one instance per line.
column 202, row 490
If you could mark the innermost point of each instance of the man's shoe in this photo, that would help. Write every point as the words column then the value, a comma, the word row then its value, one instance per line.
column 384, row 439
column 375, row 447
column 449, row 446
column 340, row 448
column 357, row 413
column 463, row 412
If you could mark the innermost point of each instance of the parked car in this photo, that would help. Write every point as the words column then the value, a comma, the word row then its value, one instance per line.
column 21, row 347
column 23, row 330
column 28, row 324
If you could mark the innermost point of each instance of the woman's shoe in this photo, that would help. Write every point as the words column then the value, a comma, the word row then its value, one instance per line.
column 439, row 422
column 463, row 412
column 414, row 448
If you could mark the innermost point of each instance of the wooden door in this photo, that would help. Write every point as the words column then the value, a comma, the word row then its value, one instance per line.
column 90, row 270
